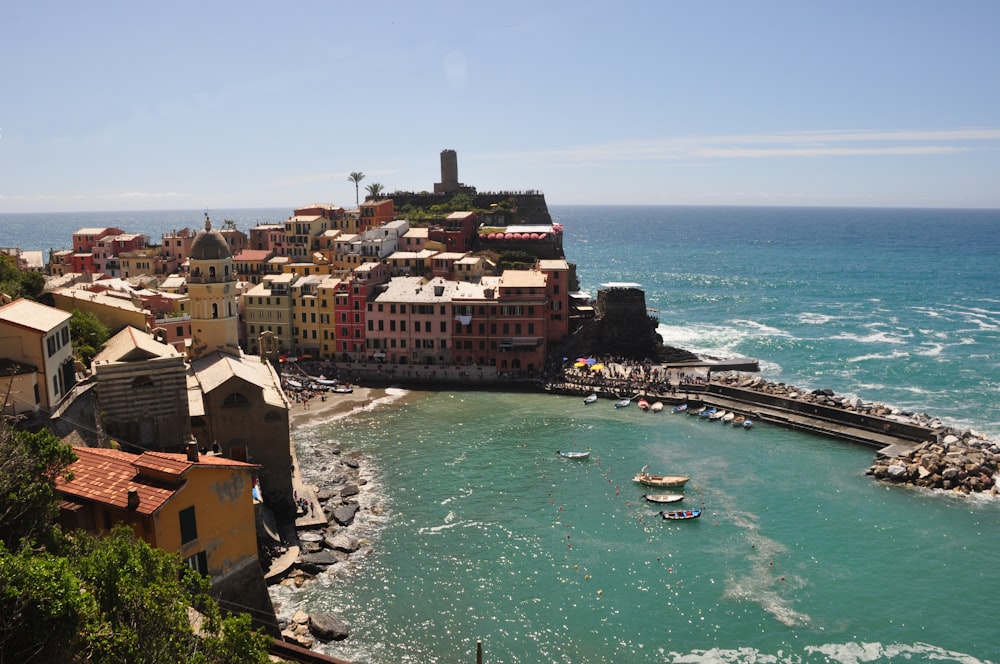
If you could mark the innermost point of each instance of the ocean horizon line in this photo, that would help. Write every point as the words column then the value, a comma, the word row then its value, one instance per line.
column 799, row 206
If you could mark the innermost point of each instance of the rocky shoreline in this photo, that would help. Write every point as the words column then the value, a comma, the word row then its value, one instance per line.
column 324, row 546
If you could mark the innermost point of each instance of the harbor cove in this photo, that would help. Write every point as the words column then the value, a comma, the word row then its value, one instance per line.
column 439, row 521
column 473, row 531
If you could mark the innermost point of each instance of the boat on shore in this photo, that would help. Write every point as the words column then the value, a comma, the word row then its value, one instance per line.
column 568, row 454
column 680, row 515
column 663, row 497
column 590, row 399
column 644, row 478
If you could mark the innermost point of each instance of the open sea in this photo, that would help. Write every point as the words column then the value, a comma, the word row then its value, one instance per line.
column 799, row 557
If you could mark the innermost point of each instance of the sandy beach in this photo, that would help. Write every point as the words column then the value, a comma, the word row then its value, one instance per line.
column 336, row 405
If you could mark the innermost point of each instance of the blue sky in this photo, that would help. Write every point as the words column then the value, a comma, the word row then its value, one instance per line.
column 189, row 105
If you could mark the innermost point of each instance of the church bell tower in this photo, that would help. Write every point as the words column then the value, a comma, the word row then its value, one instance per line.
column 212, row 292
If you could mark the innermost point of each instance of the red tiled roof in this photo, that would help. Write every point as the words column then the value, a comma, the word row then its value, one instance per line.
column 105, row 476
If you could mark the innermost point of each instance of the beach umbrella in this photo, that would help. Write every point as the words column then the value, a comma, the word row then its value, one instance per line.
column 591, row 361
column 579, row 364
column 596, row 367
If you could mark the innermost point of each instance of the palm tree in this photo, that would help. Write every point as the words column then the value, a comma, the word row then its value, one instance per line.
column 356, row 177
column 375, row 189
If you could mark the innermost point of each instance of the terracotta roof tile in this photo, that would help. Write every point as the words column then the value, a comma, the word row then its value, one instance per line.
column 105, row 476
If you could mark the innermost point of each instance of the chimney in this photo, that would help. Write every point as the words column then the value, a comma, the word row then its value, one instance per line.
column 192, row 451
column 133, row 498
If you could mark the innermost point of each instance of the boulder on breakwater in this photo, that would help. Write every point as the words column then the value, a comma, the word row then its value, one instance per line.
column 963, row 462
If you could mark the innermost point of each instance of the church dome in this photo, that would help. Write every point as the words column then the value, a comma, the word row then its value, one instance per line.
column 209, row 244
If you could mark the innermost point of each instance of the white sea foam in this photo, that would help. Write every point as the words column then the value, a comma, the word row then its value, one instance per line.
column 895, row 355
column 810, row 318
column 760, row 585
column 829, row 653
column 718, row 340
column 878, row 337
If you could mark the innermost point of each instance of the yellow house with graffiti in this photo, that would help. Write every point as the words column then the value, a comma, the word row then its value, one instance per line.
column 198, row 505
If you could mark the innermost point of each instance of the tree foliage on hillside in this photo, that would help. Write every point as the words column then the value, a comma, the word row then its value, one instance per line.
column 457, row 203
column 18, row 283
column 82, row 599
column 29, row 466
column 89, row 335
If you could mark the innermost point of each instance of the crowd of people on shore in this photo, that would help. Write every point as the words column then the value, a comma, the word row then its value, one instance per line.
column 624, row 377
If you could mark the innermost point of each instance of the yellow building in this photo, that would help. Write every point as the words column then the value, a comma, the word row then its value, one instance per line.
column 199, row 506
column 267, row 307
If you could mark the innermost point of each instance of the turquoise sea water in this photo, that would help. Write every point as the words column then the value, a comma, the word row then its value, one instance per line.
column 798, row 558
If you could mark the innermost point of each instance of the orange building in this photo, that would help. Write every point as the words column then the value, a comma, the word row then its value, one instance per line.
column 200, row 506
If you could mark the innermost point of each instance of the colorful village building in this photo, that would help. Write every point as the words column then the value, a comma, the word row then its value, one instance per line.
column 201, row 507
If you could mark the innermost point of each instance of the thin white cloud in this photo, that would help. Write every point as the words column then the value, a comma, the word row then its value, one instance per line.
column 284, row 181
column 144, row 195
column 790, row 145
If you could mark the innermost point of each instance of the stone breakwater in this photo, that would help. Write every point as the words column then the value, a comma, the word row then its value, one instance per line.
column 346, row 507
column 830, row 399
column 962, row 463
column 914, row 448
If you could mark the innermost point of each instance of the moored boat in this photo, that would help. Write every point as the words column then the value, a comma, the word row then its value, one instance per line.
column 623, row 403
column 695, row 412
column 590, row 399
column 663, row 497
column 707, row 413
column 729, row 417
column 738, row 420
column 718, row 415
column 680, row 515
column 568, row 454
column 748, row 423
column 656, row 407
column 680, row 408
column 643, row 404
column 662, row 481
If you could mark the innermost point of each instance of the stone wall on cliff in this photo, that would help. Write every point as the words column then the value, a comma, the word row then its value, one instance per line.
column 623, row 328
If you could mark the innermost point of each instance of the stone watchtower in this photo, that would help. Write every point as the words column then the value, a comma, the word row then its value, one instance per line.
column 212, row 290
column 449, row 183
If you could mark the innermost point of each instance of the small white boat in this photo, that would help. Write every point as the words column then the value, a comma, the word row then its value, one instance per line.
column 567, row 454
column 590, row 399
column 729, row 417
column 695, row 412
column 748, row 423
column 663, row 497
column 661, row 481
column 718, row 415
column 656, row 407
column 623, row 403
